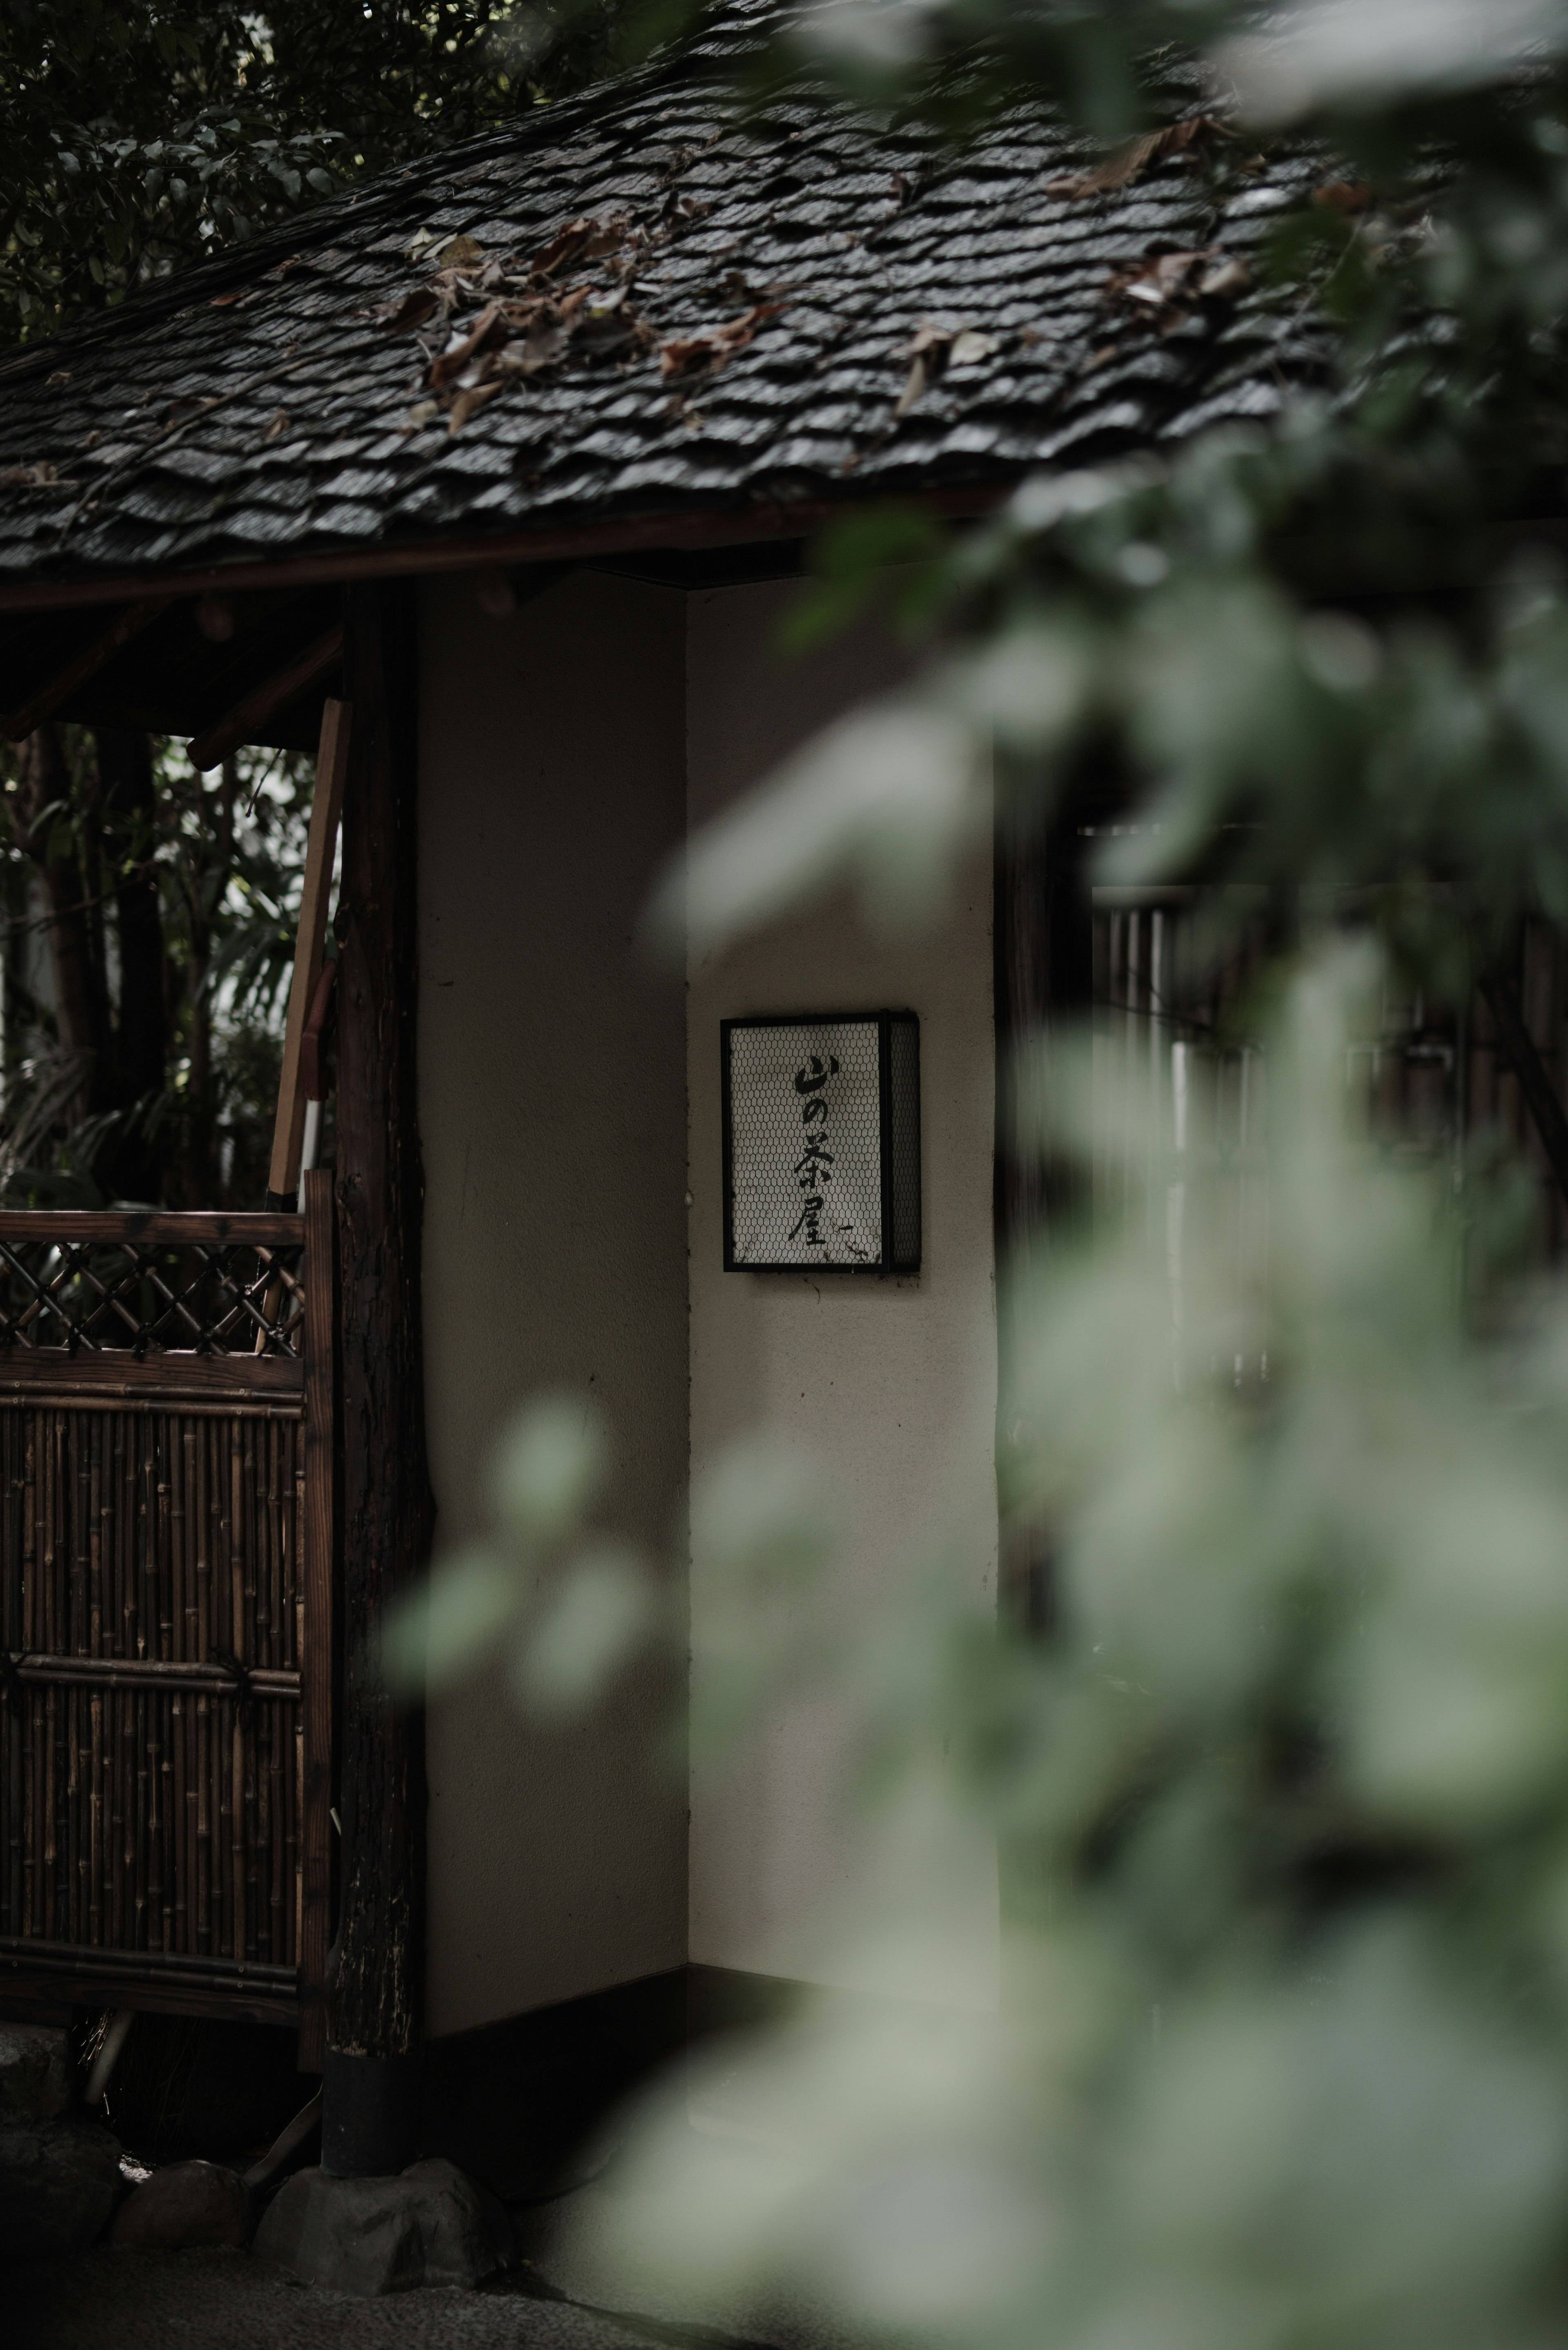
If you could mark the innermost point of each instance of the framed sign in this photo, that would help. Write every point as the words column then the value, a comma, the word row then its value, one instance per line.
column 822, row 1142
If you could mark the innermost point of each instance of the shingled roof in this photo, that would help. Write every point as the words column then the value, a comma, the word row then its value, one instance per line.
column 264, row 408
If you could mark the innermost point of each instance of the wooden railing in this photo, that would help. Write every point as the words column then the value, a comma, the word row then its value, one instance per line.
column 166, row 1485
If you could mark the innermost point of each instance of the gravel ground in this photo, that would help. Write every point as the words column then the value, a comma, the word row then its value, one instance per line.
column 564, row 2295
column 105, row 2300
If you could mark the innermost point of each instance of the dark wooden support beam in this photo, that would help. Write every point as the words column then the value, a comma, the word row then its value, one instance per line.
column 249, row 715
column 1042, row 980
column 65, row 682
column 375, row 1995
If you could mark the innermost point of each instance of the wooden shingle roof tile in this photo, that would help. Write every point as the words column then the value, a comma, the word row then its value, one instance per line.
column 260, row 407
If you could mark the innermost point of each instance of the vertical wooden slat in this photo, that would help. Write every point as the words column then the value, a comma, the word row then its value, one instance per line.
column 32, row 1795
column 315, row 1566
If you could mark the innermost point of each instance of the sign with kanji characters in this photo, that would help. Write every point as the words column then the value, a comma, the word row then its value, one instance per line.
column 822, row 1142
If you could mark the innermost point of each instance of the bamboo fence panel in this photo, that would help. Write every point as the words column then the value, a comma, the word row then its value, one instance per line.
column 164, row 1734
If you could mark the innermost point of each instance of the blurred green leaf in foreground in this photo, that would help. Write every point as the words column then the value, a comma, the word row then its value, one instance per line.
column 1281, row 1797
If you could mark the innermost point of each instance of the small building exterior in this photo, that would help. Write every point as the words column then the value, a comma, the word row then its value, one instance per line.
column 517, row 451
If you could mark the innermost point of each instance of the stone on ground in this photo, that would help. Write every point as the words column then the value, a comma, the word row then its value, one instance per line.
column 431, row 2225
column 34, row 2073
column 59, row 2181
column 184, row 2204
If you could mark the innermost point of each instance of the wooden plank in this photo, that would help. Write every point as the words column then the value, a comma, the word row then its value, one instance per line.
column 326, row 809
column 316, row 1656
column 121, row 629
column 178, row 1230
column 375, row 1999
column 163, row 1981
column 117, row 1376
column 47, row 1995
column 248, row 716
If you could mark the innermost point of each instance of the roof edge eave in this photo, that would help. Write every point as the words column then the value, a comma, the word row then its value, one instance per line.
column 677, row 529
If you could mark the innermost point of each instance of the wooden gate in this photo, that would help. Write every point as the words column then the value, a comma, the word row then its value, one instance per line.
column 166, row 1482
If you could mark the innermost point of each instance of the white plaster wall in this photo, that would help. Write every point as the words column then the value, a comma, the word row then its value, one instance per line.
column 552, row 1109
column 890, row 1386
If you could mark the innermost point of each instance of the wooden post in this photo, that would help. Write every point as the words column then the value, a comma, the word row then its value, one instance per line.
column 375, row 1990
column 1042, row 943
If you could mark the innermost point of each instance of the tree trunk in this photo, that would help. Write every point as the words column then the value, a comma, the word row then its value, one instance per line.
column 141, row 1029
column 80, row 1007
column 375, row 1995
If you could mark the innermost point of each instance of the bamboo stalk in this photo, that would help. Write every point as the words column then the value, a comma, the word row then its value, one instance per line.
column 132, row 1673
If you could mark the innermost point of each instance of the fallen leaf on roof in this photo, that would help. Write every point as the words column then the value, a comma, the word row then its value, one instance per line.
column 423, row 411
column 222, row 301
column 900, row 187
column 460, row 253
column 1139, row 155
column 1229, row 277
column 473, row 396
column 1342, row 196
column 89, row 440
column 41, row 476
column 715, row 344
column 1165, row 283
column 61, row 375
column 420, row 303
column 932, row 349
column 489, row 327
column 281, row 268
column 277, row 423
column 584, row 239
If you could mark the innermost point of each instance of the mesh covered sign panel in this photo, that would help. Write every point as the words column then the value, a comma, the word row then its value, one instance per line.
column 821, row 1143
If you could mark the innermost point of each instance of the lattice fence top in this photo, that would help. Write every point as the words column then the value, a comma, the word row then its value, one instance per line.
column 152, row 1285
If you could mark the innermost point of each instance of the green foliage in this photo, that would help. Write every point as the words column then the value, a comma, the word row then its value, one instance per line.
column 564, row 1606
column 1282, row 2053
column 1281, row 2048
column 223, row 860
column 142, row 136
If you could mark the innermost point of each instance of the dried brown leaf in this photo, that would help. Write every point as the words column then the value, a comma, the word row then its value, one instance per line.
column 1162, row 281
column 715, row 344
column 277, row 423
column 61, row 375
column 1139, row 155
column 41, row 476
column 420, row 303
column 222, row 301
column 473, row 396
column 488, row 328
column 460, row 253
column 584, row 239
column 1229, row 278
column 1342, row 196
column 932, row 349
column 913, row 388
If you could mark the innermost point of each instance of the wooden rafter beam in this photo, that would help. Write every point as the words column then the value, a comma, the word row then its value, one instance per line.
column 44, row 704
column 244, row 722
